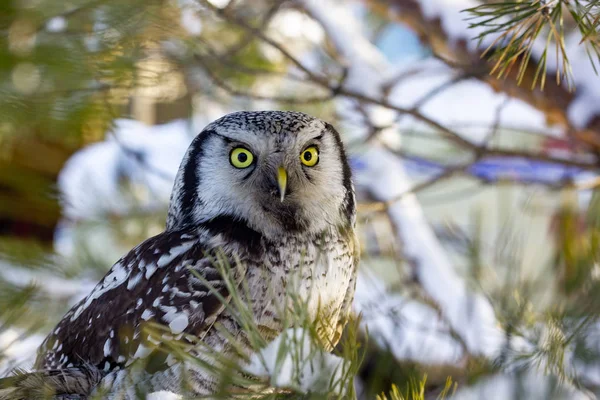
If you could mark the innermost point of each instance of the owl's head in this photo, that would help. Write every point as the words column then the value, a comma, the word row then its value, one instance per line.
column 276, row 171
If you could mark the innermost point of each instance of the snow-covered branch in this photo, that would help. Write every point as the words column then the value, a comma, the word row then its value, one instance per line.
column 384, row 176
column 446, row 29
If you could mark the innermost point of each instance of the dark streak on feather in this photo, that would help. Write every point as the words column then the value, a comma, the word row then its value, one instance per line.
column 349, row 205
column 188, row 198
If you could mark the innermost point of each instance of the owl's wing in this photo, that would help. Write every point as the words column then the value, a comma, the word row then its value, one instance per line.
column 155, row 282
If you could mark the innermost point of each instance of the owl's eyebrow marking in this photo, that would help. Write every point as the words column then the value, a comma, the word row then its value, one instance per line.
column 229, row 141
column 225, row 138
column 313, row 141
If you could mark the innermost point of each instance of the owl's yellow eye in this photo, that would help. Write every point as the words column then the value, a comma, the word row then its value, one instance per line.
column 241, row 157
column 310, row 156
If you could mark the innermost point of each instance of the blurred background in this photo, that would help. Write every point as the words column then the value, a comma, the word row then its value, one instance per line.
column 476, row 170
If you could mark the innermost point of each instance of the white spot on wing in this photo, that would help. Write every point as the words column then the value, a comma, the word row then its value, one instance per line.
column 142, row 351
column 107, row 348
column 114, row 279
column 179, row 323
column 147, row 314
column 150, row 269
column 171, row 360
column 134, row 280
column 174, row 252
column 170, row 312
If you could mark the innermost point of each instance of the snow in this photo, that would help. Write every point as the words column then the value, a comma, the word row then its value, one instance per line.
column 526, row 385
column 18, row 349
column 163, row 395
column 293, row 360
column 586, row 104
column 191, row 21
column 345, row 32
column 219, row 3
column 477, row 110
column 147, row 155
column 56, row 24
column 515, row 169
column 454, row 22
column 294, row 25
column 384, row 176
column 469, row 102
column 48, row 284
column 409, row 329
column 494, row 169
column 471, row 315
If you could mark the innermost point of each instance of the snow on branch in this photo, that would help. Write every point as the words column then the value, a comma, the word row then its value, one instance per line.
column 294, row 361
column 409, row 329
column 384, row 176
column 469, row 314
column 147, row 156
column 449, row 32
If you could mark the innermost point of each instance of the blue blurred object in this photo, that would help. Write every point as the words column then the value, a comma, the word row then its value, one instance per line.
column 399, row 43
column 523, row 170
column 492, row 169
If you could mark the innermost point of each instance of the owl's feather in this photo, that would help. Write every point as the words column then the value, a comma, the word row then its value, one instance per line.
column 155, row 282
column 67, row 383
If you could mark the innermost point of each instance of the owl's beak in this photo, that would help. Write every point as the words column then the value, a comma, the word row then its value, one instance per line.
column 281, row 182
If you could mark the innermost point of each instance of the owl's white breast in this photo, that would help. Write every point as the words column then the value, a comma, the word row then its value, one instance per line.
column 330, row 280
column 319, row 273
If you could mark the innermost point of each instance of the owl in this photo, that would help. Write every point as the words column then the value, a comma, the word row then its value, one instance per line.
column 271, row 193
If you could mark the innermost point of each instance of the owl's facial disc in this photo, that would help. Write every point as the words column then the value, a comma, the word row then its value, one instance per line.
column 281, row 183
column 277, row 172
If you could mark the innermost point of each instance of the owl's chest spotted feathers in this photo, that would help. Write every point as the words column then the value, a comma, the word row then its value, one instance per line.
column 317, row 273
